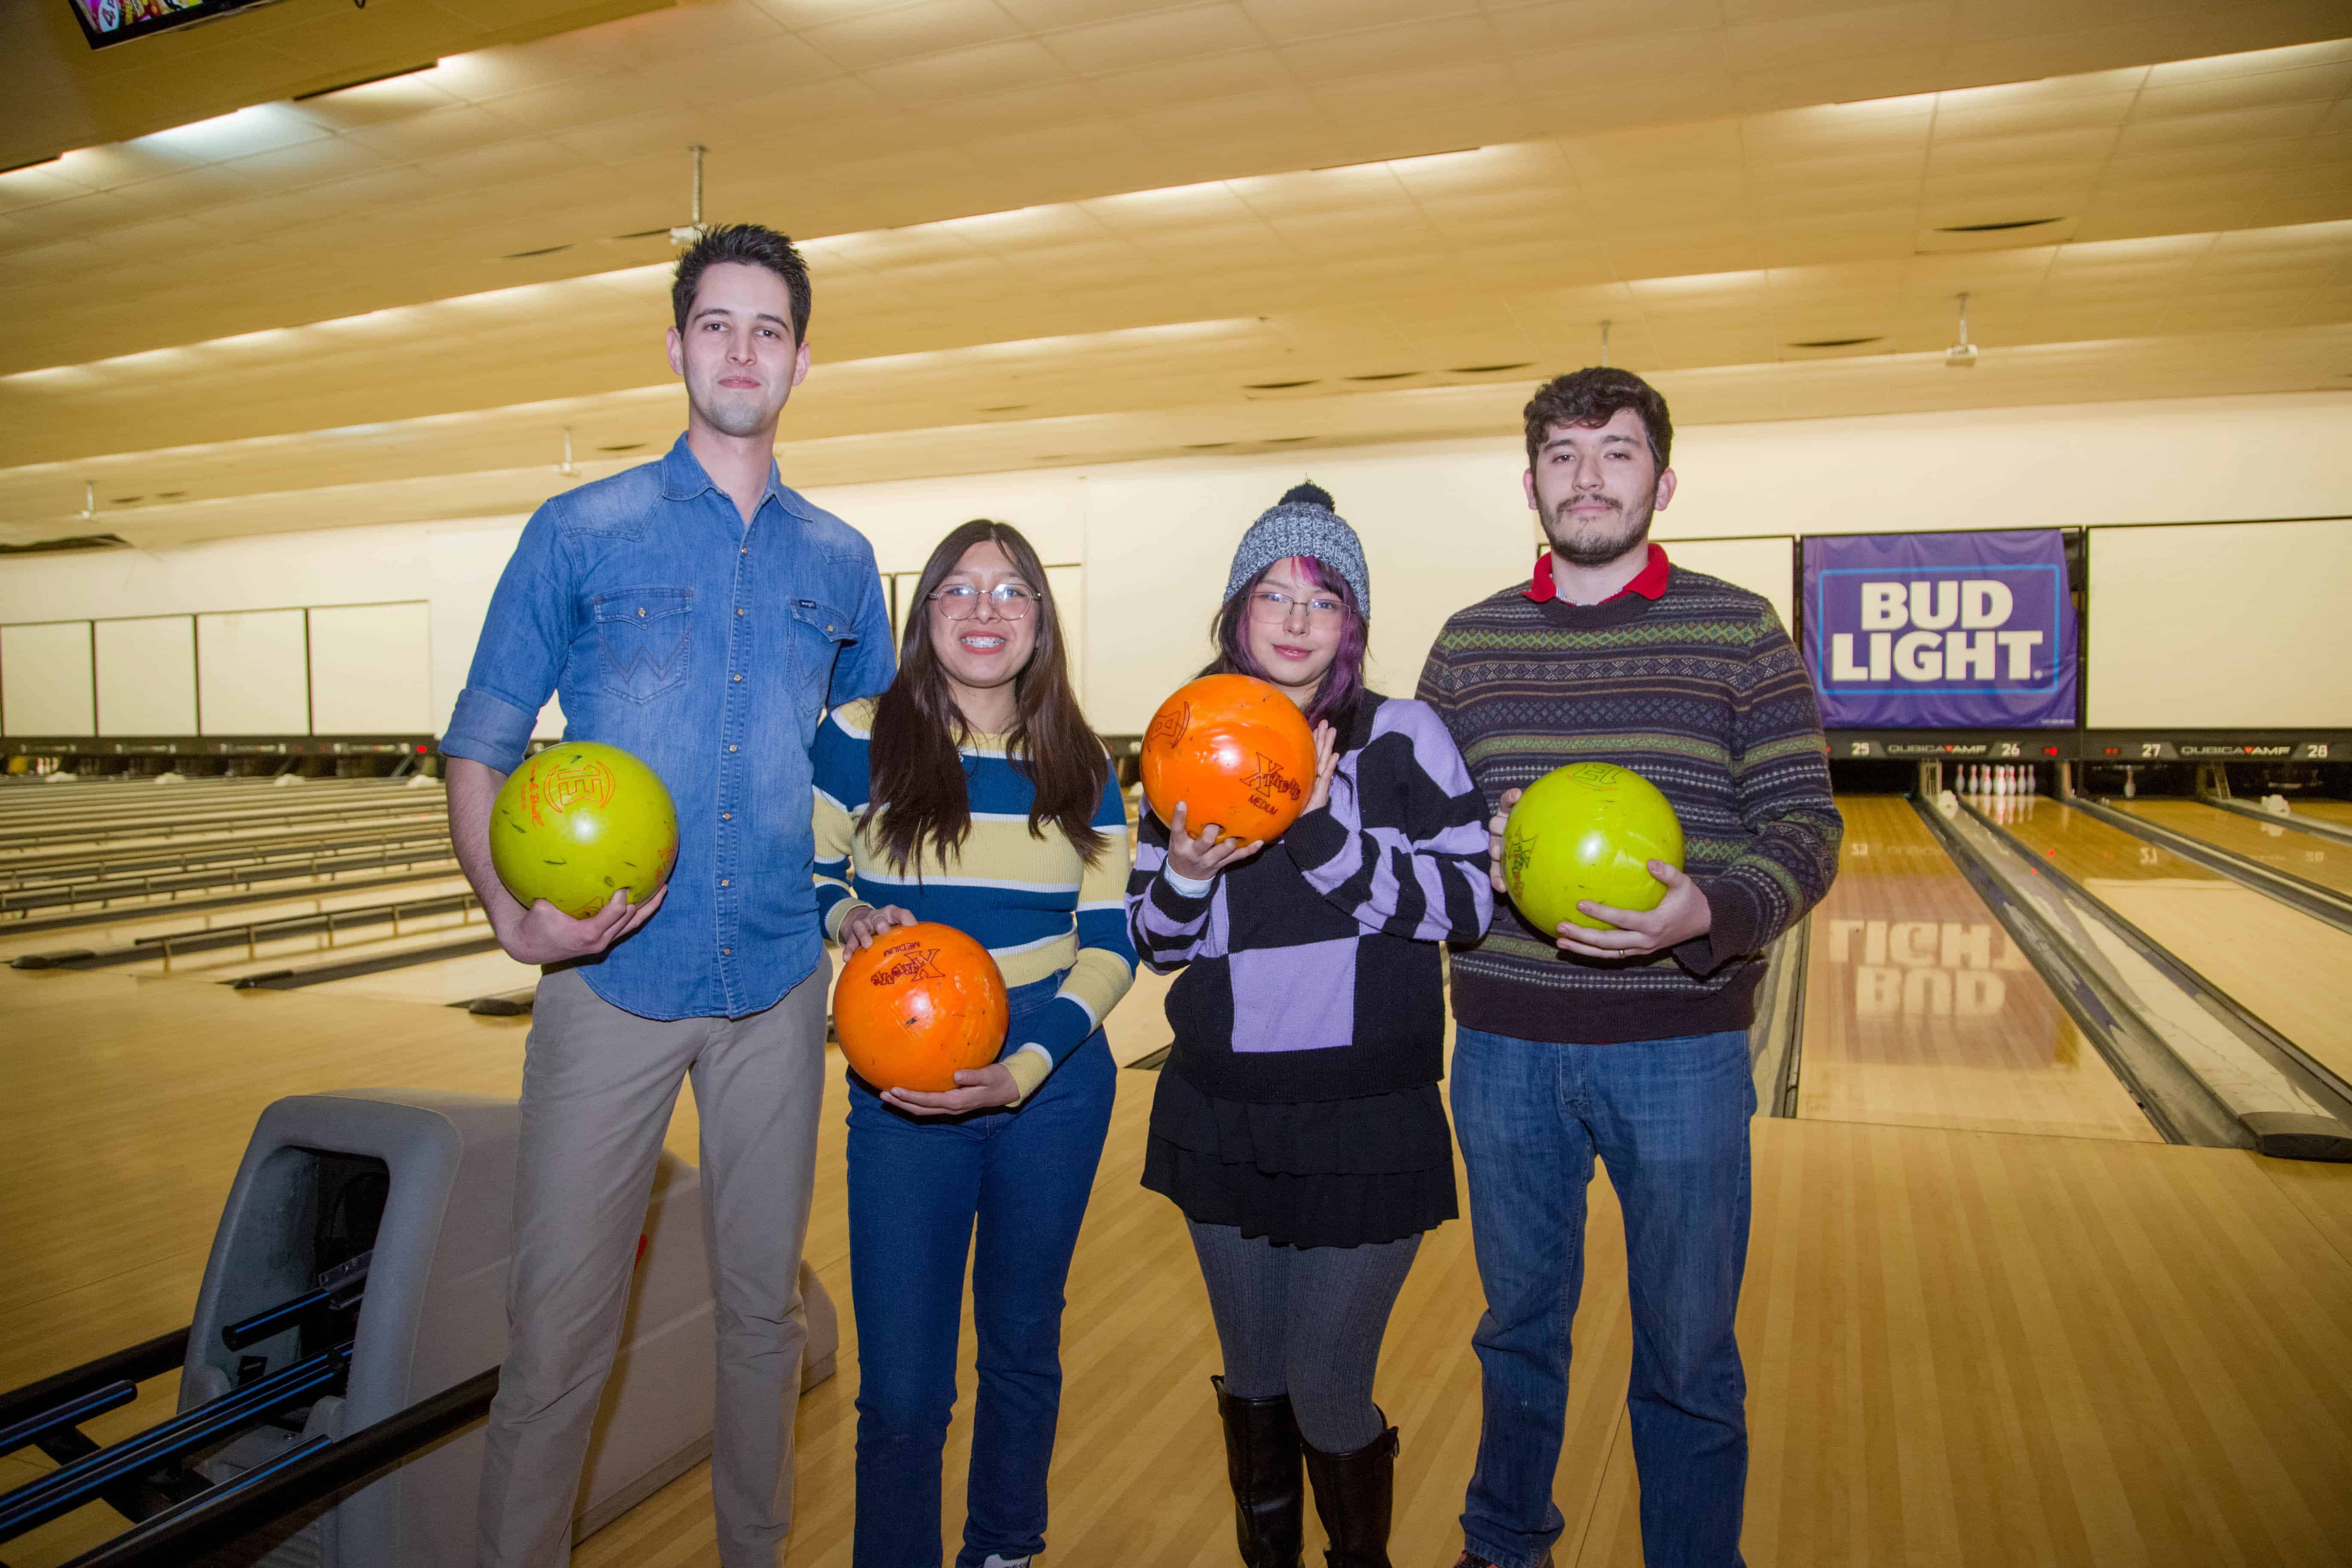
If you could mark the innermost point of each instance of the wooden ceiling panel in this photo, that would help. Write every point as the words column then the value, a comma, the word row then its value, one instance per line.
column 1091, row 228
column 66, row 95
column 1195, row 33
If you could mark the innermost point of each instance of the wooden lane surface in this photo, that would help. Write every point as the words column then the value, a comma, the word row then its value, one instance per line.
column 2292, row 970
column 1980, row 1348
column 1919, row 1010
column 2272, row 844
column 1964, row 1348
column 442, row 985
column 2336, row 811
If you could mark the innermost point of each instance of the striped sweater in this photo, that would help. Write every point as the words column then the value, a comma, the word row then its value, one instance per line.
column 1700, row 692
column 1039, row 908
column 1311, row 968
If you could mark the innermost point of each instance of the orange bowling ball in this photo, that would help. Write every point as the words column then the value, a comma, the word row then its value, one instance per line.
column 918, row 1003
column 1234, row 752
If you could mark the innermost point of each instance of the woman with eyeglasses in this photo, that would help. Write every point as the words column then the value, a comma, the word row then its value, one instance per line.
column 973, row 792
column 1298, row 1123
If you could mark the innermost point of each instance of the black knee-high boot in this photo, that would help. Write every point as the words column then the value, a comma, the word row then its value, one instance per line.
column 1261, row 1462
column 1354, row 1494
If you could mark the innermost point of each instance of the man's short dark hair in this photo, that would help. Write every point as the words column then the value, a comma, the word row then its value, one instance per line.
column 753, row 246
column 1591, row 397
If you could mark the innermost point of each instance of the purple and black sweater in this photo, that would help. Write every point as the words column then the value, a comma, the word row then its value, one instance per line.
column 1300, row 1100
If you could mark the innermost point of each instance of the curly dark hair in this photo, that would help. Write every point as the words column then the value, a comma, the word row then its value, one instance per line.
column 1591, row 397
column 753, row 246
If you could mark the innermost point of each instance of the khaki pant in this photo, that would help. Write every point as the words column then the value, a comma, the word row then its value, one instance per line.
column 598, row 1087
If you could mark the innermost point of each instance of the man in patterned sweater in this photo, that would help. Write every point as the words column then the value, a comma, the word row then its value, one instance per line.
column 1629, row 1043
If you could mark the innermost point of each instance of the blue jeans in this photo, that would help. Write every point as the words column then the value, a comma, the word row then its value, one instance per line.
column 1670, row 1120
column 918, row 1185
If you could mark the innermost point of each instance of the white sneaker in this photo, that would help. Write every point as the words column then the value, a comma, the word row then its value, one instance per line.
column 996, row 1562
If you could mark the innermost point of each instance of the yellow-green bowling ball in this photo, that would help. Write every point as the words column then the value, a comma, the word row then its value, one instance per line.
column 1588, row 831
column 579, row 822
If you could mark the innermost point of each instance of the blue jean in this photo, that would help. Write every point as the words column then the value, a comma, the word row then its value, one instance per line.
column 1670, row 1120
column 919, row 1187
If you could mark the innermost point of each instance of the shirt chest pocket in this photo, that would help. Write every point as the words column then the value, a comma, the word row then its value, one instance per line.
column 644, row 635
column 819, row 634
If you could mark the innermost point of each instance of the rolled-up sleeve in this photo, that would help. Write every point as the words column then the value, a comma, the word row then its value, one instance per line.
column 525, row 637
column 871, row 661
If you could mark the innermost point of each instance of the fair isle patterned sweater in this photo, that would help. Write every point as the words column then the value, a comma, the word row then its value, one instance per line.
column 1699, row 691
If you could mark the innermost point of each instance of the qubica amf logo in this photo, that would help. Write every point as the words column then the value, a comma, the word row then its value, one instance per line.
column 1979, row 629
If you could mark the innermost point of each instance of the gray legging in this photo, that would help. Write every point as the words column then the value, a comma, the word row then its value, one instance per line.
column 1306, row 1322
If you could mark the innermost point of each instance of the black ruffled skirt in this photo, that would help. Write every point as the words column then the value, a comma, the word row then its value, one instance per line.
column 1326, row 1173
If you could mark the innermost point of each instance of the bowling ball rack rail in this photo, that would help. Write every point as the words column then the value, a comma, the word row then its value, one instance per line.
column 175, row 1516
column 109, row 890
column 250, row 935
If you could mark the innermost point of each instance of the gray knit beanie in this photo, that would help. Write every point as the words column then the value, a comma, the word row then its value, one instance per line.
column 1303, row 524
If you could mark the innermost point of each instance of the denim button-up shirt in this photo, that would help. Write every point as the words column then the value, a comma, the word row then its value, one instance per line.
column 710, row 649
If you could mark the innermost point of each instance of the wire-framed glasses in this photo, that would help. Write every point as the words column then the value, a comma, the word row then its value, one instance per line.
column 1274, row 605
column 960, row 601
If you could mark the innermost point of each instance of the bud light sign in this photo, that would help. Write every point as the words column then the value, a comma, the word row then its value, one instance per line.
column 1940, row 631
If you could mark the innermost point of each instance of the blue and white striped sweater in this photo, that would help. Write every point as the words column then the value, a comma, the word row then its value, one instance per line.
column 1040, row 909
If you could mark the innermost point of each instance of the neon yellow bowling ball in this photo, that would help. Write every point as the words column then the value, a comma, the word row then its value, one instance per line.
column 578, row 822
column 1588, row 831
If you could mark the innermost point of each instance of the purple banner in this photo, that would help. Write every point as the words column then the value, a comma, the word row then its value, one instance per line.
column 1940, row 631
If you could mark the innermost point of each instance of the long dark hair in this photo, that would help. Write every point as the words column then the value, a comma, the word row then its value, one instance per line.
column 1343, row 682
column 918, row 787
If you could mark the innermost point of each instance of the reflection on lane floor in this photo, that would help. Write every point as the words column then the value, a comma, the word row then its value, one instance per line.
column 2272, row 844
column 2291, row 970
column 451, row 980
column 1920, row 1011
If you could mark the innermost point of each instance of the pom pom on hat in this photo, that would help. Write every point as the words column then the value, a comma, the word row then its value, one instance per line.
column 1311, row 493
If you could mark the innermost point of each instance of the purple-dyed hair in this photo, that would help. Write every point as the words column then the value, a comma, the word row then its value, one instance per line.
column 1335, row 698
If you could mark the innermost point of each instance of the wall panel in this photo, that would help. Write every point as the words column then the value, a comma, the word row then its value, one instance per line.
column 147, row 676
column 45, row 685
column 372, row 669
column 2220, row 625
column 253, row 677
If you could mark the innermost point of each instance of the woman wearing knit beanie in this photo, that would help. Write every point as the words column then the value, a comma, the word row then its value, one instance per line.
column 1298, row 1123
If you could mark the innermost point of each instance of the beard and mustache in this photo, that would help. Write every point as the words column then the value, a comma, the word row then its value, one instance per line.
column 1604, row 539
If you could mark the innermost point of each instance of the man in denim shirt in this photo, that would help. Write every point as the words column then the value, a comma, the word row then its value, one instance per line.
column 698, row 613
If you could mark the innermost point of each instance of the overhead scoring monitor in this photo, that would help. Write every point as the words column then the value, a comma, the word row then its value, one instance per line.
column 108, row 21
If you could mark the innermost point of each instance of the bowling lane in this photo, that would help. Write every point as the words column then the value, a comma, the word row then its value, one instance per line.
column 1921, row 1012
column 2272, row 844
column 441, row 985
column 2291, row 971
column 2339, row 812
